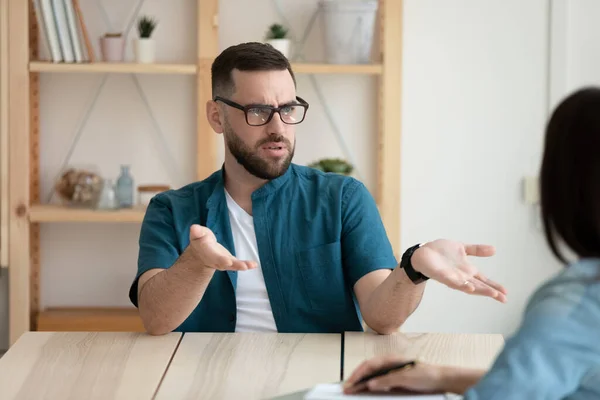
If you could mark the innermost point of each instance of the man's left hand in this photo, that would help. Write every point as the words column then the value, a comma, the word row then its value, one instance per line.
column 446, row 262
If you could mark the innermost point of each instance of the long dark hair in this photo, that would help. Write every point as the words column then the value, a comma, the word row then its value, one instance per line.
column 570, row 175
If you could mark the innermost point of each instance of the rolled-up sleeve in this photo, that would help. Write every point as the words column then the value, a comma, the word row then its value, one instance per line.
column 157, row 243
column 365, row 245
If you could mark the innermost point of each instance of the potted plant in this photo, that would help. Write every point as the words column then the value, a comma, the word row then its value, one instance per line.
column 277, row 37
column 112, row 47
column 335, row 165
column 144, row 46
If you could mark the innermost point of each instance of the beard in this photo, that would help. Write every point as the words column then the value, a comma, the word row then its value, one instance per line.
column 251, row 161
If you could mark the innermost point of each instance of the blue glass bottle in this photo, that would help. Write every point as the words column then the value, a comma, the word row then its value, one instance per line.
column 125, row 188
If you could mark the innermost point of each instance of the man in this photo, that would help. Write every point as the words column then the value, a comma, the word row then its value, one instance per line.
column 267, row 245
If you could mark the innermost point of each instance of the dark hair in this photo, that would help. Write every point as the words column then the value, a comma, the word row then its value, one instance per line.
column 252, row 56
column 570, row 175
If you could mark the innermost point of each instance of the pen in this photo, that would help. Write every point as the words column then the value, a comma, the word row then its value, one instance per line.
column 385, row 371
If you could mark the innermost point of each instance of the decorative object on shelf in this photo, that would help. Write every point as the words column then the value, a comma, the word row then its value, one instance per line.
column 336, row 165
column 144, row 46
column 349, row 27
column 108, row 197
column 112, row 46
column 79, row 187
column 84, row 31
column 277, row 37
column 125, row 188
column 147, row 192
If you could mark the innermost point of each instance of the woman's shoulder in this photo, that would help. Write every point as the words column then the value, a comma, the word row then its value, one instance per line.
column 576, row 289
column 555, row 352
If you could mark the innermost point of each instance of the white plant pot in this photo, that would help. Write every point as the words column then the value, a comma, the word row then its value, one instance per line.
column 283, row 45
column 349, row 27
column 144, row 50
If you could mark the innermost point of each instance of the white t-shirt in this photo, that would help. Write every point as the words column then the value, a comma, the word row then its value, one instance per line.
column 254, row 313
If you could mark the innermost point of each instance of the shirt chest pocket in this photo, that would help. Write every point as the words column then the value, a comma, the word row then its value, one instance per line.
column 323, row 276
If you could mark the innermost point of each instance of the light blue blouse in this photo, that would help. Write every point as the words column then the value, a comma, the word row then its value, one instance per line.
column 555, row 354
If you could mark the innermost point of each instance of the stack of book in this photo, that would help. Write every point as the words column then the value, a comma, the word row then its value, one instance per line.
column 64, row 32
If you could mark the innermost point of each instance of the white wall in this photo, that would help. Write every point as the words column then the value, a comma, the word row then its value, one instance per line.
column 474, row 101
column 474, row 108
column 579, row 33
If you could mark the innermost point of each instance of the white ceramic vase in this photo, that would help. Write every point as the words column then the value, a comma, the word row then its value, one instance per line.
column 349, row 27
column 144, row 50
column 283, row 45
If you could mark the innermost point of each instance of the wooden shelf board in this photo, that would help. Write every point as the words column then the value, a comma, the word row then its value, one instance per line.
column 90, row 319
column 369, row 69
column 55, row 213
column 190, row 69
column 123, row 68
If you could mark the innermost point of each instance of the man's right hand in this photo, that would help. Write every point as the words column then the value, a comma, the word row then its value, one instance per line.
column 212, row 254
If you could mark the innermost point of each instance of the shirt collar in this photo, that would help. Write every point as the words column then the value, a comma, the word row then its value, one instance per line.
column 218, row 194
column 274, row 184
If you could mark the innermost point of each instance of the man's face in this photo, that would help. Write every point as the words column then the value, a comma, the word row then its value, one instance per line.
column 264, row 151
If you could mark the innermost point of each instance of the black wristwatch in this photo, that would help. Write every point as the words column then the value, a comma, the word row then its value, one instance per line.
column 415, row 276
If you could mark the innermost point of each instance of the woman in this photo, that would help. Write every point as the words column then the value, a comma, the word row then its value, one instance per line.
column 555, row 354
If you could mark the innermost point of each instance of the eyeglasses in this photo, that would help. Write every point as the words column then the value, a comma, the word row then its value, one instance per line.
column 261, row 114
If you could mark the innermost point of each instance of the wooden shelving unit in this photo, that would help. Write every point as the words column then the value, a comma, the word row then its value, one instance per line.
column 190, row 69
column 106, row 319
column 113, row 68
column 26, row 212
column 53, row 213
column 364, row 69
column 4, row 211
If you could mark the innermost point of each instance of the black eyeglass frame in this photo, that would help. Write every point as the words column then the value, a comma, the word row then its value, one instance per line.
column 245, row 109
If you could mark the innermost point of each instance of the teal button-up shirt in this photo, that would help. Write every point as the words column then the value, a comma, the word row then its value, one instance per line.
column 317, row 235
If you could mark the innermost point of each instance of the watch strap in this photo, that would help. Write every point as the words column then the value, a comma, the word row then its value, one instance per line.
column 415, row 276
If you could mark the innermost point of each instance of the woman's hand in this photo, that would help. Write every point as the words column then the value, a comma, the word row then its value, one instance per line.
column 421, row 377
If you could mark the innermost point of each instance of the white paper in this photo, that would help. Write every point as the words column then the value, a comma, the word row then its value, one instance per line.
column 334, row 391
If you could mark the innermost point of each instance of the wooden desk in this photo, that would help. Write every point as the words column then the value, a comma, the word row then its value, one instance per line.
column 104, row 365
column 466, row 350
column 250, row 366
column 80, row 365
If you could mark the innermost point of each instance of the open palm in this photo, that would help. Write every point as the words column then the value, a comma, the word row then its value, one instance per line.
column 212, row 254
column 447, row 262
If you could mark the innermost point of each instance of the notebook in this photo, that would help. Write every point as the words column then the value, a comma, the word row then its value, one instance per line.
column 334, row 391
